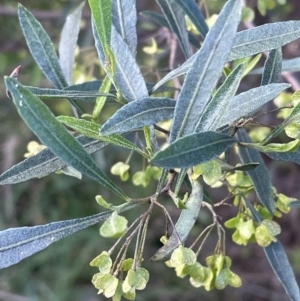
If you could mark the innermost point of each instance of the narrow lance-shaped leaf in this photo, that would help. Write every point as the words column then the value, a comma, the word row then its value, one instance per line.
column 100, row 101
column 44, row 163
column 128, row 76
column 19, row 243
column 98, row 44
column 162, row 21
column 192, row 150
column 175, row 17
column 194, row 13
column 244, row 104
column 283, row 270
column 204, row 74
column 139, row 113
column 291, row 65
column 288, row 156
column 279, row 34
column 41, row 47
column 68, row 42
column 260, row 175
column 67, row 93
column 184, row 224
column 221, row 101
column 54, row 135
column 92, row 129
column 264, row 38
column 102, row 17
column 272, row 67
column 279, row 262
column 124, row 19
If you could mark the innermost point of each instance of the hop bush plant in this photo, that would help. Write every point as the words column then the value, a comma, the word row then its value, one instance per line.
column 209, row 122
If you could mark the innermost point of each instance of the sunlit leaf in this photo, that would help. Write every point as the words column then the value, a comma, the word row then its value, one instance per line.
column 192, row 150
column 68, row 43
column 124, row 19
column 263, row 38
column 221, row 100
column 279, row 34
column 139, row 113
column 91, row 129
column 250, row 101
column 203, row 75
column 54, row 135
column 128, row 75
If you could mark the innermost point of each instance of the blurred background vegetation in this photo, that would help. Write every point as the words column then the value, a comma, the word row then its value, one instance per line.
column 62, row 271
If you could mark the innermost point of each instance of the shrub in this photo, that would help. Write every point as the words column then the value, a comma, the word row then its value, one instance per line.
column 208, row 120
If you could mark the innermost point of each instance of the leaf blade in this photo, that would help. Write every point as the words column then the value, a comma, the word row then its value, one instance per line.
column 139, row 113
column 272, row 67
column 198, row 85
column 18, row 243
column 194, row 13
column 175, row 18
column 250, row 101
column 263, row 38
column 260, row 175
column 192, row 150
column 41, row 47
column 91, row 129
column 44, row 163
column 124, row 18
column 68, row 43
column 53, row 134
column 184, row 224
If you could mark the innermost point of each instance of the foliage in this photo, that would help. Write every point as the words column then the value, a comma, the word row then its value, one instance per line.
column 208, row 119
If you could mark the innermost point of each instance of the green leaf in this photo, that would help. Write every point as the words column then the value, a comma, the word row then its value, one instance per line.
column 279, row 262
column 19, row 243
column 162, row 180
column 100, row 101
column 250, row 101
column 249, row 42
column 205, row 72
column 128, row 75
column 54, row 135
column 68, row 43
column 295, row 204
column 275, row 147
column 194, row 13
column 102, row 17
column 139, row 113
column 184, row 224
column 289, row 157
column 264, row 38
column 175, row 17
column 67, row 93
column 41, row 47
column 272, row 67
column 162, row 21
column 98, row 44
column 44, row 163
column 260, row 175
column 192, row 150
column 115, row 226
column 220, row 102
column 282, row 268
column 124, row 19
column 91, row 129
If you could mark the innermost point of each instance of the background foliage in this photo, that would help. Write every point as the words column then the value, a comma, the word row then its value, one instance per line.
column 61, row 272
